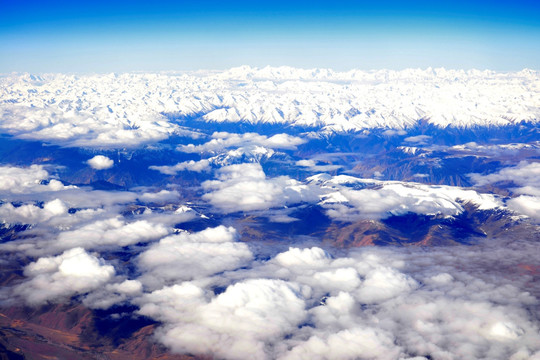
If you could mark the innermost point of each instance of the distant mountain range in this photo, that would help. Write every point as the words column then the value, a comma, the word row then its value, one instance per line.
column 129, row 109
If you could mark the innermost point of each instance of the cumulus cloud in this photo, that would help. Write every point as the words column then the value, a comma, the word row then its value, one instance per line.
column 197, row 166
column 35, row 178
column 32, row 214
column 90, row 229
column 191, row 256
column 110, row 232
column 355, row 343
column 526, row 205
column 69, row 217
column 224, row 140
column 100, row 162
column 55, row 278
column 244, row 187
column 237, row 324
column 369, row 303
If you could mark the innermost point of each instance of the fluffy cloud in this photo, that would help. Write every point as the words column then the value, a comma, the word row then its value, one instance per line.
column 56, row 278
column 64, row 217
column 244, row 187
column 90, row 230
column 110, row 232
column 526, row 205
column 197, row 166
column 223, row 140
column 18, row 180
column 370, row 303
column 32, row 214
column 160, row 197
column 355, row 343
column 192, row 256
column 237, row 324
column 100, row 162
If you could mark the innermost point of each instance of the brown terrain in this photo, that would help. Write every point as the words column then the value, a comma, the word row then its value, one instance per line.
column 67, row 332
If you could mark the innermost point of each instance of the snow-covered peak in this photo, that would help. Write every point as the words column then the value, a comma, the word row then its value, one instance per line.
column 126, row 110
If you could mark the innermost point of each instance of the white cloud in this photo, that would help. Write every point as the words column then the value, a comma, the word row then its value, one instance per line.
column 89, row 230
column 527, row 177
column 191, row 256
column 100, row 162
column 392, row 132
column 526, row 205
column 197, row 166
column 295, row 257
column 56, row 278
column 418, row 139
column 524, row 174
column 224, row 140
column 18, row 180
column 162, row 196
column 244, row 187
column 32, row 214
column 87, row 198
column 374, row 303
column 236, row 324
column 112, row 294
column 384, row 283
column 354, row 343
column 64, row 217
column 110, row 232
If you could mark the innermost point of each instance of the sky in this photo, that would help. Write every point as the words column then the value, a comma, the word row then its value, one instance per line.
column 119, row 36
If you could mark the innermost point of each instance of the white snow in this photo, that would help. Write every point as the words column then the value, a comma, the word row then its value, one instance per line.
column 128, row 110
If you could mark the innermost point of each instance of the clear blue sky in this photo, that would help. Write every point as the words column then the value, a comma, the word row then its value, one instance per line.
column 155, row 35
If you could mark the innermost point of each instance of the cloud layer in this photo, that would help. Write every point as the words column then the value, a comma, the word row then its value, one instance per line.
column 217, row 296
column 372, row 303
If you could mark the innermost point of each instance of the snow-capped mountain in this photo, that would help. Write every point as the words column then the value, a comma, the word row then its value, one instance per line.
column 125, row 110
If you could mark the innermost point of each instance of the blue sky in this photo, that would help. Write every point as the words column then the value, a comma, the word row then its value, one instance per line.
column 104, row 36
